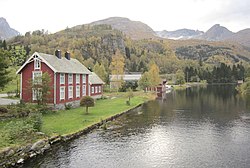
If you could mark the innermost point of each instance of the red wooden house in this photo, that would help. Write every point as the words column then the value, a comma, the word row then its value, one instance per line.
column 95, row 86
column 69, row 78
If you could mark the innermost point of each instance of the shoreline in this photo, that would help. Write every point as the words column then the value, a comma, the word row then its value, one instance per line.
column 16, row 156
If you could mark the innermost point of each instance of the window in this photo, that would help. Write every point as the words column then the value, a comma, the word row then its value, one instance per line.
column 62, row 93
column 36, row 94
column 77, row 78
column 70, row 92
column 77, row 91
column 83, row 90
column 92, row 89
column 96, row 91
column 62, row 78
column 37, row 77
column 83, row 78
column 100, row 89
column 70, row 78
column 37, row 63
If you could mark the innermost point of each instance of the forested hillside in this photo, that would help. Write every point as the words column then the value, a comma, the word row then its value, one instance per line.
column 93, row 44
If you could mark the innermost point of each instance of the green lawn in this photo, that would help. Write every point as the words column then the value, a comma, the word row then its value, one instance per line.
column 69, row 121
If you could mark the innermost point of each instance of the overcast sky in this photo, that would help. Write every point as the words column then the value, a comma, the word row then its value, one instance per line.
column 55, row 15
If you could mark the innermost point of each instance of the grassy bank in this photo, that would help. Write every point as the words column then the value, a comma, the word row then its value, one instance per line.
column 69, row 121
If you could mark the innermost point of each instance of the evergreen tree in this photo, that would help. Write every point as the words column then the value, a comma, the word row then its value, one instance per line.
column 4, row 64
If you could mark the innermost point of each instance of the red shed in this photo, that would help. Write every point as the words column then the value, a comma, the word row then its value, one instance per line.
column 69, row 78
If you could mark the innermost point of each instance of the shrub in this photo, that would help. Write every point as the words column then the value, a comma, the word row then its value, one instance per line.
column 17, row 130
column 35, row 119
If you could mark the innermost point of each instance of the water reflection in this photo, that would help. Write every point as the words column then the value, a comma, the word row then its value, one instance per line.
column 197, row 127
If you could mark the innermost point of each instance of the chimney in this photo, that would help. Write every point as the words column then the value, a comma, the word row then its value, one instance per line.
column 67, row 55
column 90, row 69
column 58, row 54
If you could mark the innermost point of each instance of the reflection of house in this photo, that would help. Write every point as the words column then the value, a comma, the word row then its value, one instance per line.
column 116, row 80
column 95, row 85
column 69, row 78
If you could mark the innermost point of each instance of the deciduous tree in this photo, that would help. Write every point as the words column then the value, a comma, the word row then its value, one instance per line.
column 117, row 68
column 87, row 102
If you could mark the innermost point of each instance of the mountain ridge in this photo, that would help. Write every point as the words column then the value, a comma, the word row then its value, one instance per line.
column 6, row 32
column 134, row 29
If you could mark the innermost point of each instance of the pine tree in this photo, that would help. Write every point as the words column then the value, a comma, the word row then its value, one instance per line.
column 4, row 64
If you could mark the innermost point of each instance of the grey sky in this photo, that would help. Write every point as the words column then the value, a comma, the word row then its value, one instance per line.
column 55, row 15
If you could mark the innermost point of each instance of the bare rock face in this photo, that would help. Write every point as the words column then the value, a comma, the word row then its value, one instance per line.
column 6, row 31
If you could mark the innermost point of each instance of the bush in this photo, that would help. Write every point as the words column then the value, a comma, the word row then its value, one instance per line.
column 35, row 119
column 17, row 130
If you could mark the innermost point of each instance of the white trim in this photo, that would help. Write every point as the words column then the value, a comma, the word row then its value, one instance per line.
column 62, row 82
column 37, row 63
column 84, row 78
column 78, row 90
column 21, row 81
column 70, row 91
column 70, row 81
column 29, row 60
column 55, row 88
column 84, row 89
column 77, row 78
column 62, row 98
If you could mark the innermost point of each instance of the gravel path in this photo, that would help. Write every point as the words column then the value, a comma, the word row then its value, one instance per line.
column 6, row 101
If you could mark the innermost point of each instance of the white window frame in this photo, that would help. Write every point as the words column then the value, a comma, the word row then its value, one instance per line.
column 37, row 63
column 92, row 89
column 70, row 92
column 34, row 93
column 77, row 91
column 83, row 78
column 62, row 93
column 36, row 74
column 100, row 89
column 70, row 78
column 83, row 90
column 96, row 89
column 77, row 78
column 62, row 78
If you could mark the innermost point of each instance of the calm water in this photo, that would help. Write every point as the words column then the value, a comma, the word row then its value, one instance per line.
column 197, row 127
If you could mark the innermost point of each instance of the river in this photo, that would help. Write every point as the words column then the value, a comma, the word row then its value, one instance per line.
column 193, row 128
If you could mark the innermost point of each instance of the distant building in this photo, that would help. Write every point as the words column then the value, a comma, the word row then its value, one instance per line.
column 70, row 80
column 116, row 80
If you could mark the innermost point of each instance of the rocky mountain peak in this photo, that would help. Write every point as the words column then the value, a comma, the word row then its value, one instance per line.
column 6, row 31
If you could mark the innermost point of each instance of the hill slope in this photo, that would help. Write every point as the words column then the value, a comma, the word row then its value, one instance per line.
column 6, row 31
column 134, row 29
